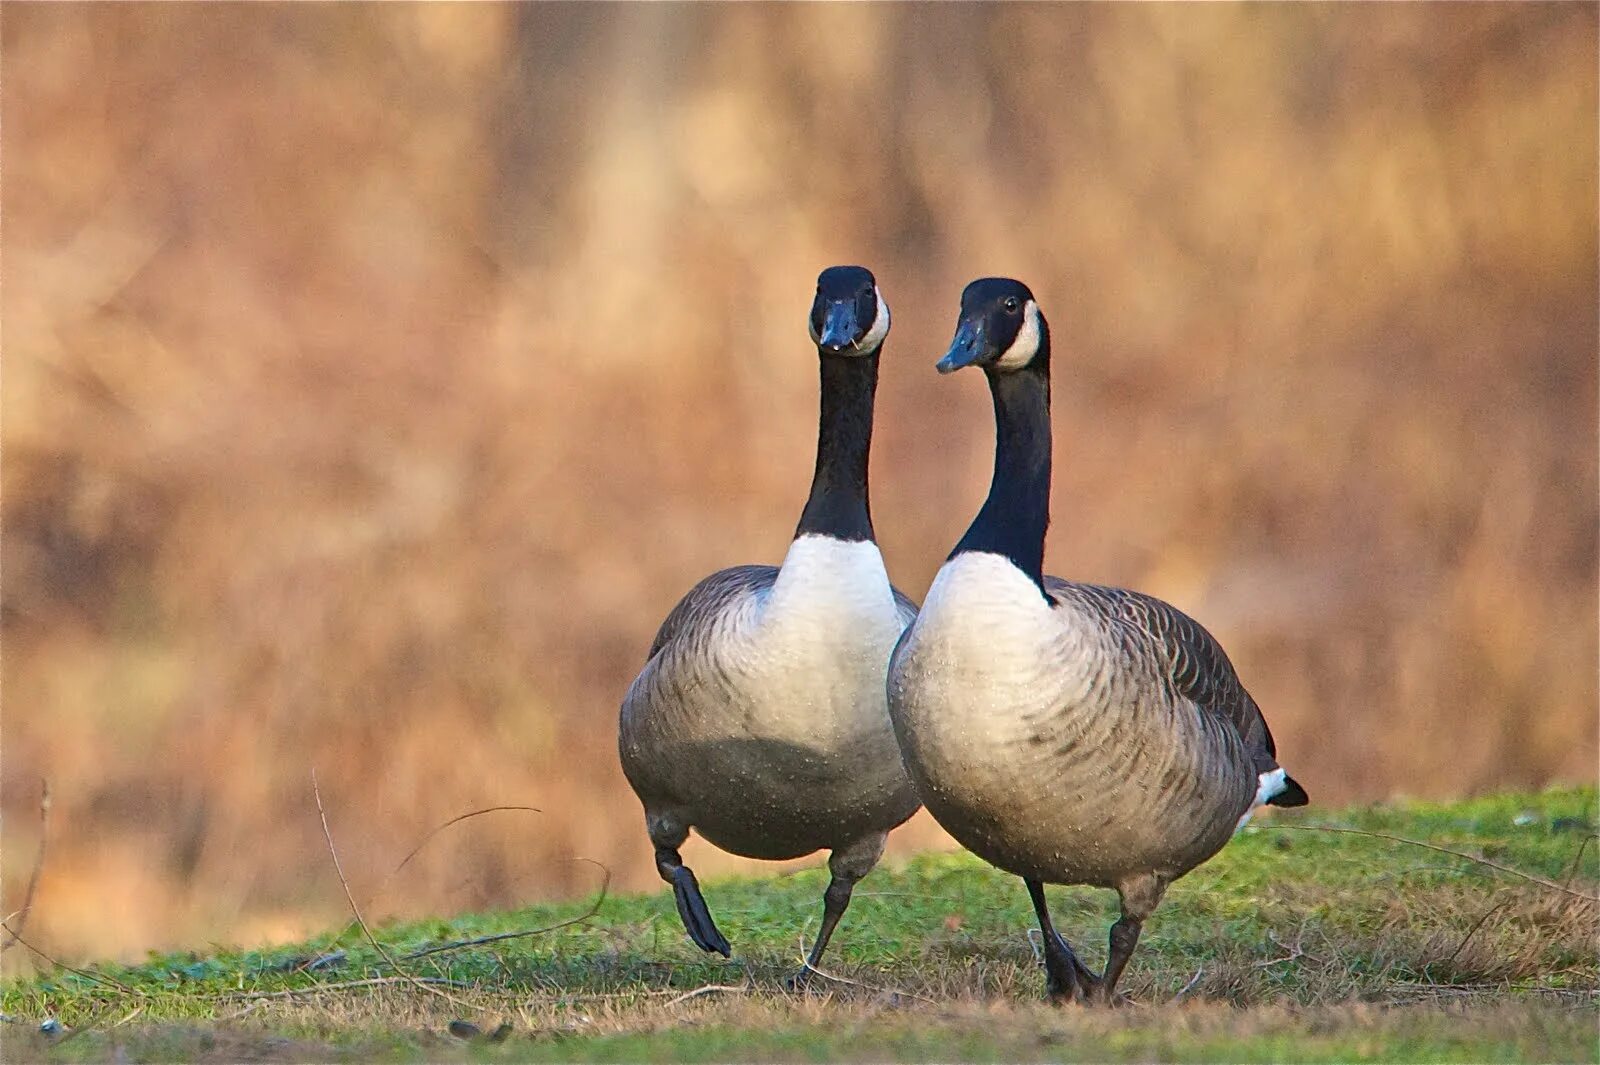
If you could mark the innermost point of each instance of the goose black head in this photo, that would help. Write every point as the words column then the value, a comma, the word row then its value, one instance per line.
column 848, row 316
column 1000, row 328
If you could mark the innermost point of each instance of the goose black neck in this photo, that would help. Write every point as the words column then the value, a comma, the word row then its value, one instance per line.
column 1013, row 520
column 838, row 504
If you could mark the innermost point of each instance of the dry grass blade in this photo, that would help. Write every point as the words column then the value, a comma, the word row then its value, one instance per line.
column 456, row 820
column 21, row 914
column 1577, row 859
column 834, row 978
column 426, row 839
column 1490, row 912
column 432, row 983
column 1506, row 869
column 338, row 867
column 593, row 909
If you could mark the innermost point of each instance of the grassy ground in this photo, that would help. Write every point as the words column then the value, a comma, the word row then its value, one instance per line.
column 1291, row 945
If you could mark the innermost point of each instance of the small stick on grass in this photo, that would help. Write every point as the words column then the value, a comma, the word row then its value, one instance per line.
column 1541, row 881
column 21, row 915
column 708, row 989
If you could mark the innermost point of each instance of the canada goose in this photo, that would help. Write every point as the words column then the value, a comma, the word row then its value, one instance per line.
column 760, row 718
column 1067, row 733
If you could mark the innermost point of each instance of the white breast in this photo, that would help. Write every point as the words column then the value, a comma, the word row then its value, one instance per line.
column 827, row 627
column 825, row 584
column 987, row 667
column 986, row 629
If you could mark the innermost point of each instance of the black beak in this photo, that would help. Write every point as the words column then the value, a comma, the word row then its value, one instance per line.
column 839, row 327
column 968, row 347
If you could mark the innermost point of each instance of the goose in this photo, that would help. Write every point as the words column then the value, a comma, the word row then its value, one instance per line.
column 760, row 718
column 1067, row 733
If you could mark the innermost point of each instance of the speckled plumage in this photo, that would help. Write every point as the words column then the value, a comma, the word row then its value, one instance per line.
column 1069, row 733
column 760, row 717
column 1084, row 740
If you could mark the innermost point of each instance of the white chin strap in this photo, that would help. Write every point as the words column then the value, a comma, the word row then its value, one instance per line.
column 1026, row 346
column 880, row 324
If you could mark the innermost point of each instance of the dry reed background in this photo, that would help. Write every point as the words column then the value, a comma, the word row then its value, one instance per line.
column 377, row 376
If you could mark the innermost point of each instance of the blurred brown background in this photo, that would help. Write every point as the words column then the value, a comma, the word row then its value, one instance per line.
column 376, row 378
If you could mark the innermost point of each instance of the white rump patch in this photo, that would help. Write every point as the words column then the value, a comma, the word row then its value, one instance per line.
column 1026, row 346
column 1268, row 786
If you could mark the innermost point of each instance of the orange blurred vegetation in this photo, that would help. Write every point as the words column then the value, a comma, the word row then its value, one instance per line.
column 378, row 376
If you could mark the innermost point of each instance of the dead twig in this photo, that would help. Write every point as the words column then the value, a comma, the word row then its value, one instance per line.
column 21, row 915
column 1295, row 954
column 593, row 909
column 327, row 834
column 85, row 973
column 130, row 1016
column 1519, row 874
column 1190, row 986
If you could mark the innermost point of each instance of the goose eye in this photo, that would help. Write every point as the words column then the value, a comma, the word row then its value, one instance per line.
column 1011, row 304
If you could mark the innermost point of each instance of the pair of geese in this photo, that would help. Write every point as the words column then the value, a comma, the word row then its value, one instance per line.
column 1065, row 732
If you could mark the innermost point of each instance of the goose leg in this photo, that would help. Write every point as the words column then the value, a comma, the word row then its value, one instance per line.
column 1140, row 896
column 848, row 865
column 668, row 834
column 1066, row 978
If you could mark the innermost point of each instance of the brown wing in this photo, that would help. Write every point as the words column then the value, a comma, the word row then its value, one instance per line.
column 1191, row 659
column 709, row 598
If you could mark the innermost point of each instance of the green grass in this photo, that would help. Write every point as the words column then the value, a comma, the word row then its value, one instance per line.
column 1289, row 946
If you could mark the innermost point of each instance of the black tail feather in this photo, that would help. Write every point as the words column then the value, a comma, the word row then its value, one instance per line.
column 1291, row 795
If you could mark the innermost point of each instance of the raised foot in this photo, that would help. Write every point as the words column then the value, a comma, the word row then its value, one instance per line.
column 696, row 918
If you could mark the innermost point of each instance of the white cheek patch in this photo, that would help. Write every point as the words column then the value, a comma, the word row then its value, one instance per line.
column 880, row 324
column 1026, row 346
